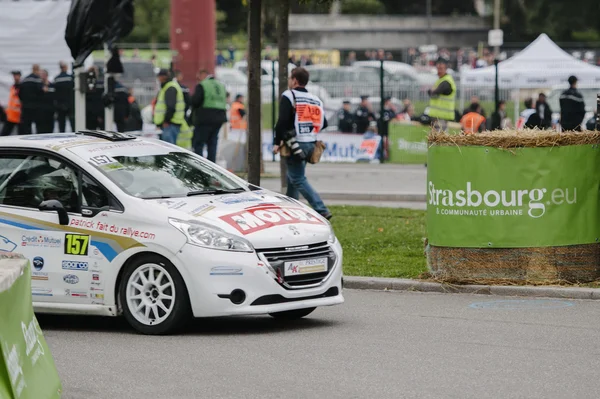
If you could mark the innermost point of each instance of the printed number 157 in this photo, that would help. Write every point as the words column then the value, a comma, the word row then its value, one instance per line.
column 76, row 244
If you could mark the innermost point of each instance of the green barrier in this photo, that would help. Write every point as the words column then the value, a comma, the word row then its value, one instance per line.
column 485, row 197
column 27, row 369
column 408, row 143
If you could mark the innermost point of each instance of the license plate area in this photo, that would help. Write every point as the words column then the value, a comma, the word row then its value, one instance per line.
column 305, row 267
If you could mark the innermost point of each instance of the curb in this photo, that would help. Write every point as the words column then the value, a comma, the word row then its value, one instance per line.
column 381, row 197
column 398, row 284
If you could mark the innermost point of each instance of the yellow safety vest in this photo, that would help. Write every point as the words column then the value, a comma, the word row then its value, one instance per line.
column 184, row 139
column 442, row 106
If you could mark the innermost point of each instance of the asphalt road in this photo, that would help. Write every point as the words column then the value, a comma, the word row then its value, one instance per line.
column 376, row 345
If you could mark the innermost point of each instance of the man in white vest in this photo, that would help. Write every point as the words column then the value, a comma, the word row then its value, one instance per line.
column 301, row 118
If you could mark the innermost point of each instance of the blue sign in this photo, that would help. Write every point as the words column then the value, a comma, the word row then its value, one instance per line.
column 38, row 263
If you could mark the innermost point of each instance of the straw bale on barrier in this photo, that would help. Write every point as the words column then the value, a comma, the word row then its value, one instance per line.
column 574, row 263
column 516, row 139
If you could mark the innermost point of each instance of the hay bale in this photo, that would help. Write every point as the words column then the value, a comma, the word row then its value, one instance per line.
column 505, row 139
column 574, row 263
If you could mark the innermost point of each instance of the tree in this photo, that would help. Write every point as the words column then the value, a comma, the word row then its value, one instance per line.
column 254, row 97
column 362, row 7
column 153, row 21
column 283, row 47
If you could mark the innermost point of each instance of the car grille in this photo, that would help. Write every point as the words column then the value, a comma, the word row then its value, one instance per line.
column 276, row 257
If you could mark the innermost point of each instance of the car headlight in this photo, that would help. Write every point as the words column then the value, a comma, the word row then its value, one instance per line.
column 207, row 236
column 332, row 238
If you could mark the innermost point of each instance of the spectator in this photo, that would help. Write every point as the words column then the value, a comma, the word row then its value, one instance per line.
column 591, row 123
column 443, row 96
column 65, row 109
column 135, row 121
column 474, row 100
column 345, row 118
column 47, row 105
column 31, row 91
column 209, row 104
column 305, row 61
column 412, row 56
column 237, row 114
column 407, row 114
column 169, row 112
column 351, row 58
column 293, row 60
column 186, row 92
column 231, row 50
column 94, row 106
column 499, row 117
column 405, row 104
column 121, row 106
column 136, row 54
column 13, row 109
column 473, row 121
column 389, row 56
column 153, row 60
column 528, row 119
column 388, row 115
column 544, row 112
column 220, row 59
column 572, row 107
column 380, row 55
column 363, row 115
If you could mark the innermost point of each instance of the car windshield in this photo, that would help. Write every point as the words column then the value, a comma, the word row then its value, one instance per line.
column 174, row 174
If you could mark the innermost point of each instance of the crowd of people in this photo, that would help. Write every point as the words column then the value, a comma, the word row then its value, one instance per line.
column 41, row 105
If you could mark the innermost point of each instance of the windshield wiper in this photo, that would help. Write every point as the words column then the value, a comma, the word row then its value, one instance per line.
column 216, row 192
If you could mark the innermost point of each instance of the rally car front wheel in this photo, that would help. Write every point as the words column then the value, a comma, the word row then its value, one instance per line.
column 153, row 295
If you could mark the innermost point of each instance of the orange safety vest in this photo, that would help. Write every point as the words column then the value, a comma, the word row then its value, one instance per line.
column 236, row 120
column 13, row 110
column 471, row 122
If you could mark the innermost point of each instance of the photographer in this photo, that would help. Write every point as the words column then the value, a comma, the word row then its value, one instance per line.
column 301, row 117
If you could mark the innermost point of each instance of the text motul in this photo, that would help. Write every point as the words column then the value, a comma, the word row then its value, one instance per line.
column 535, row 199
column 260, row 218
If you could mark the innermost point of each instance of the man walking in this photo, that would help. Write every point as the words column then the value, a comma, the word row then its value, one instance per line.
column 301, row 114
column 64, row 94
column 572, row 107
column 209, row 104
column 31, row 90
column 443, row 96
column 169, row 111
column 13, row 109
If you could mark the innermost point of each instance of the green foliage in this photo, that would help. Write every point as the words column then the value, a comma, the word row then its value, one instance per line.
column 152, row 22
column 362, row 7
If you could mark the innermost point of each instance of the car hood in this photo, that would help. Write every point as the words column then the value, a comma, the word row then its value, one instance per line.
column 265, row 218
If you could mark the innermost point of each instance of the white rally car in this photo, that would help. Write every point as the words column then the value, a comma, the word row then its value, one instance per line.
column 117, row 224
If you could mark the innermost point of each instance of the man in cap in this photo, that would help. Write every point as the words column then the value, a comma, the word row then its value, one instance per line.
column 169, row 111
column 363, row 115
column 443, row 96
column 345, row 118
column 13, row 109
column 31, row 93
column 572, row 107
column 64, row 95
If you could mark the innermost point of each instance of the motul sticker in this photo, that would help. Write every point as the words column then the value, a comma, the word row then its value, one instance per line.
column 264, row 217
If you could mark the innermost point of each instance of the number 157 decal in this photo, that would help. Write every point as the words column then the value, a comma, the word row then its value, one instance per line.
column 77, row 244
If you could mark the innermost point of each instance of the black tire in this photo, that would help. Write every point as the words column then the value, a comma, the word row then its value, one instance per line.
column 292, row 314
column 181, row 311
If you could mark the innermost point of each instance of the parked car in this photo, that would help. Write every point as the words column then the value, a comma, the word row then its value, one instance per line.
column 118, row 225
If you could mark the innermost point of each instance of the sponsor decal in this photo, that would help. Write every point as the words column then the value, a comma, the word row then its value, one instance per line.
column 226, row 271
column 202, row 209
column 97, row 296
column 264, row 217
column 49, row 136
column 306, row 266
column 171, row 204
column 42, row 241
column 33, row 346
column 125, row 144
column 6, row 245
column 74, row 265
column 39, row 276
column 294, row 230
column 76, row 293
column 38, row 263
column 239, row 199
column 471, row 202
column 77, row 244
column 71, row 279
column 14, row 368
column 111, row 228
column 95, row 277
column 41, row 291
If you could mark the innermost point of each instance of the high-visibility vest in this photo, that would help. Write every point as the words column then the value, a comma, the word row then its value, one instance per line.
column 13, row 110
column 442, row 106
column 237, row 121
column 309, row 117
column 215, row 94
column 471, row 122
column 184, row 139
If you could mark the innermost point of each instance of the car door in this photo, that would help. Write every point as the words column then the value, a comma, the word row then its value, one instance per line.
column 58, row 253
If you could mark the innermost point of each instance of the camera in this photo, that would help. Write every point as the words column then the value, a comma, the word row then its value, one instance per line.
column 292, row 143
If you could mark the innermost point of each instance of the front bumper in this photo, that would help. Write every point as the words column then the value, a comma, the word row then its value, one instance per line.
column 211, row 276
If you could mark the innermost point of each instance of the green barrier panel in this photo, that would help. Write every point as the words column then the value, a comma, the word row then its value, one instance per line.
column 408, row 143
column 484, row 197
column 27, row 369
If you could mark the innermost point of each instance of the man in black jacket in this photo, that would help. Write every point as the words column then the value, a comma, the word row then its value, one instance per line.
column 121, row 105
column 31, row 91
column 572, row 107
column 94, row 106
column 63, row 85
column 345, row 118
column 543, row 110
column 47, row 106
column 363, row 115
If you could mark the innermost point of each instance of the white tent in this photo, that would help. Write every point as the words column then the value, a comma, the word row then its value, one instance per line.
column 542, row 64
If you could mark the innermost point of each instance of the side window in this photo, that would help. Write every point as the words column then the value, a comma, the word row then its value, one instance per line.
column 92, row 195
column 28, row 180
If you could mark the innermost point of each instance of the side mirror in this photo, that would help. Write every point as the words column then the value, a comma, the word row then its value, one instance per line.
column 54, row 205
